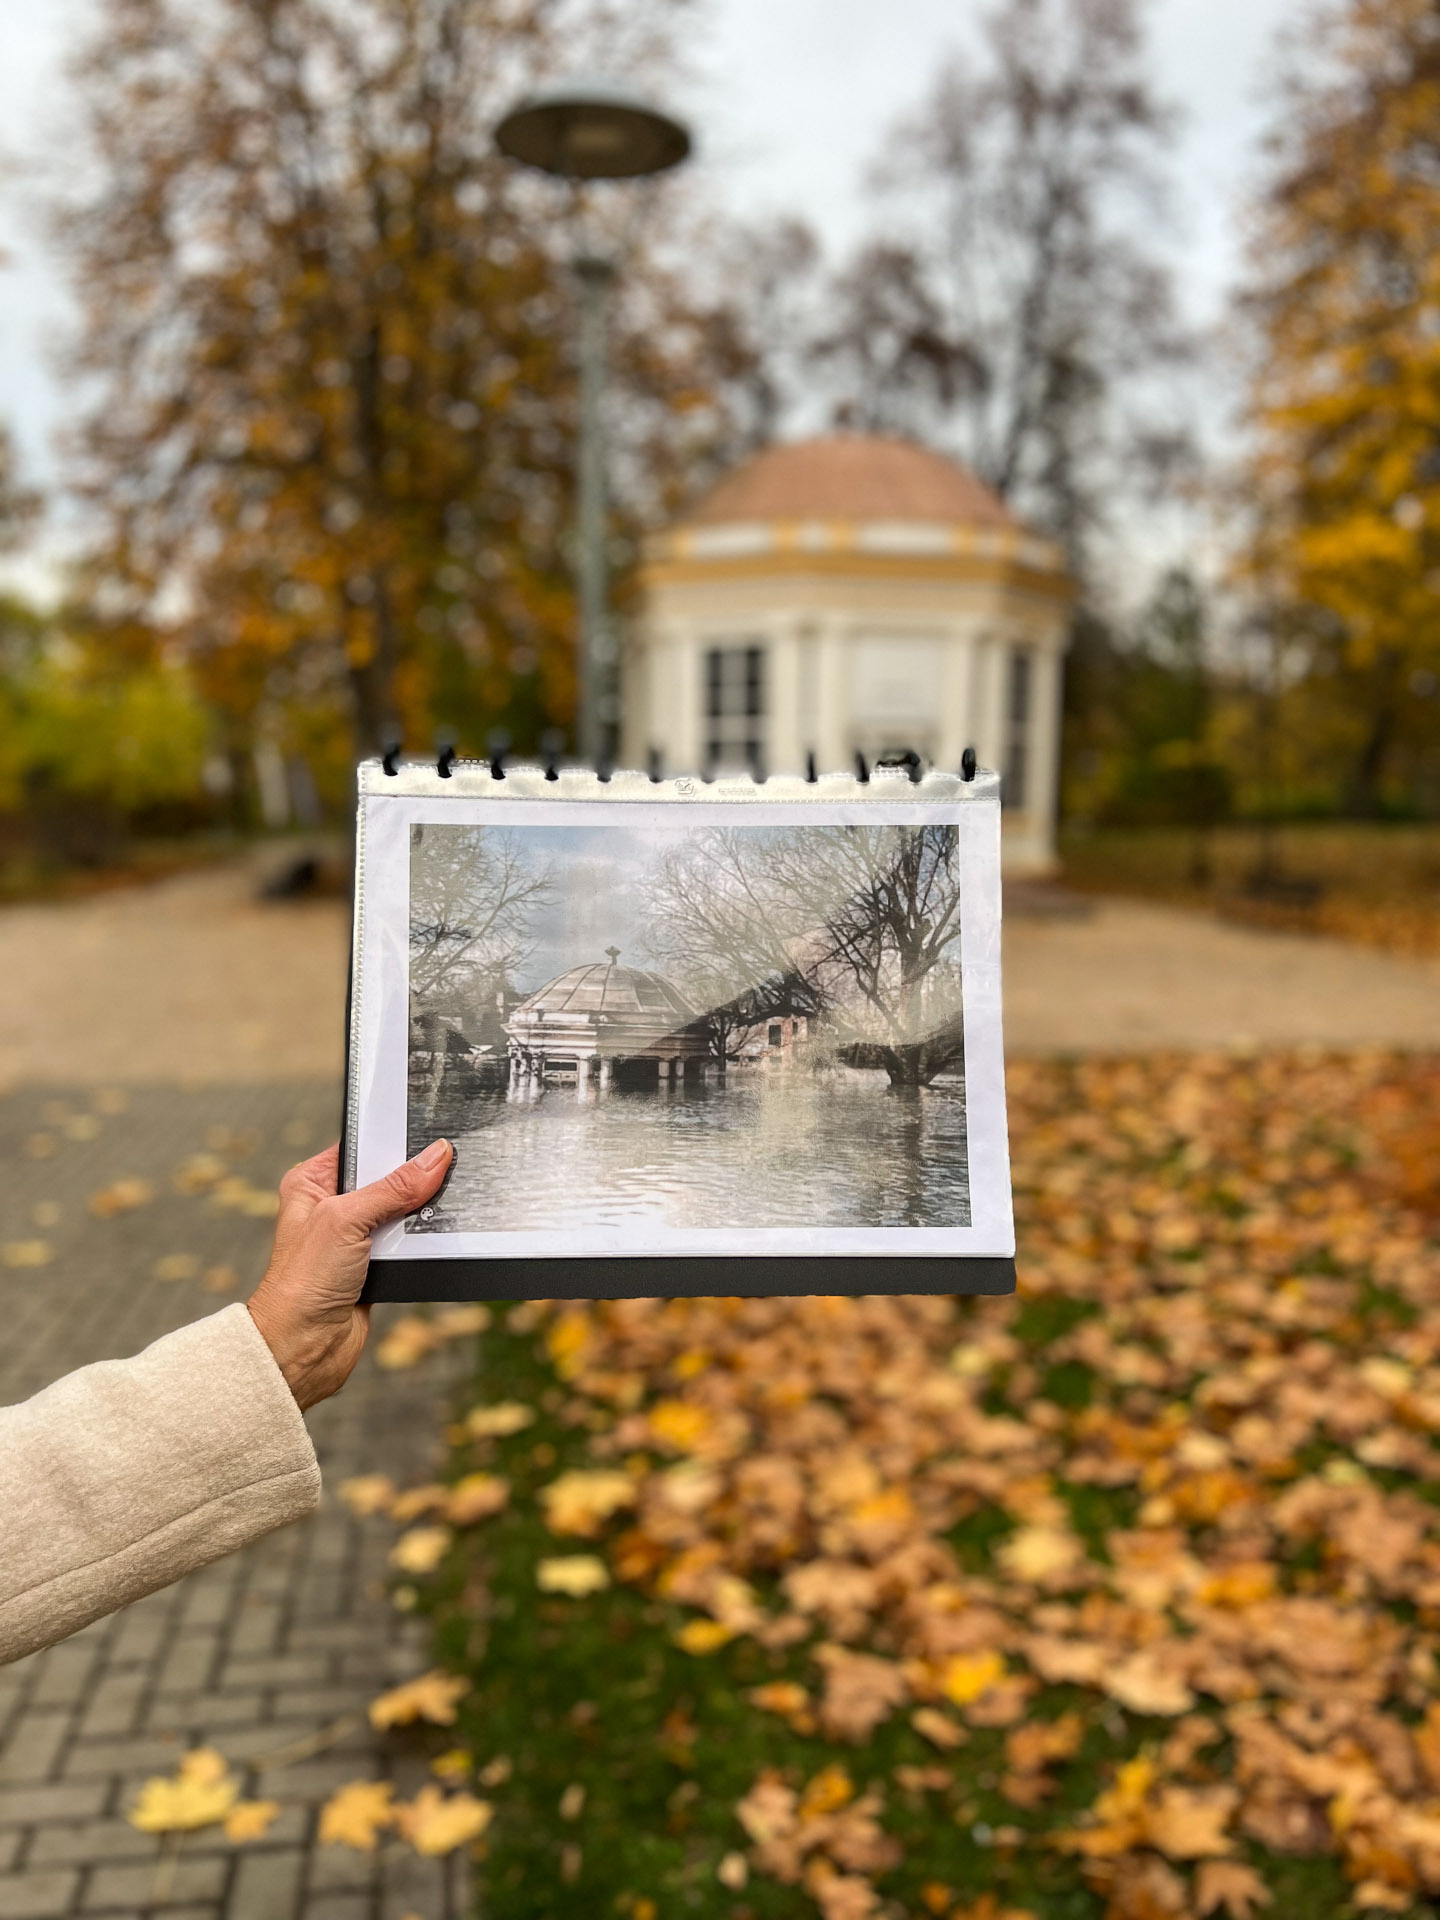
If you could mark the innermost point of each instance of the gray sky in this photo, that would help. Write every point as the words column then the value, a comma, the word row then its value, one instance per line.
column 790, row 98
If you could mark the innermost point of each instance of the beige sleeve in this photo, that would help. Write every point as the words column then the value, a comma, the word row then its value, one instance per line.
column 123, row 1476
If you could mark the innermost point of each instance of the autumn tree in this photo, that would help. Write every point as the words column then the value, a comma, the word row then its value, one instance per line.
column 328, row 336
column 1344, row 292
column 473, row 891
column 856, row 927
column 1013, row 309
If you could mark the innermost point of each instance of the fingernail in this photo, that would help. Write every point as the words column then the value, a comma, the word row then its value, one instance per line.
column 435, row 1155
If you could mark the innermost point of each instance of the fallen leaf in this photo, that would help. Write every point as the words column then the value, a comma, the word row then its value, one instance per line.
column 435, row 1823
column 830, row 1789
column 582, row 1500
column 572, row 1801
column 200, row 1793
column 357, row 1814
column 454, row 1764
column 27, row 1253
column 1144, row 1686
column 250, row 1820
column 435, row 1696
column 367, row 1493
column 406, row 1342
column 574, row 1574
column 703, row 1636
column 969, row 1675
column 457, row 1323
column 176, row 1266
column 733, row 1872
column 495, row 1423
column 421, row 1549
column 1188, row 1823
column 121, row 1196
column 199, row 1173
column 476, row 1497
column 1232, row 1887
column 938, row 1728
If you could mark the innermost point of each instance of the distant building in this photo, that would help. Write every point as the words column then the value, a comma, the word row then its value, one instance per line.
column 604, row 1018
column 854, row 594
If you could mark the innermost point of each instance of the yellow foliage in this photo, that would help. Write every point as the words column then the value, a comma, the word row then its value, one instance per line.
column 357, row 1814
column 435, row 1823
column 435, row 1696
column 201, row 1793
column 573, row 1574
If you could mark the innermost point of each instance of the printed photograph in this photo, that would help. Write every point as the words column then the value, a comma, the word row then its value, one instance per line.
column 694, row 1027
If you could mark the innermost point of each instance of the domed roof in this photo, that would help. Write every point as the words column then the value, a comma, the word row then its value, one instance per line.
column 851, row 476
column 607, row 988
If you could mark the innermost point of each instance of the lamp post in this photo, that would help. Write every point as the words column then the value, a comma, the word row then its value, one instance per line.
column 593, row 130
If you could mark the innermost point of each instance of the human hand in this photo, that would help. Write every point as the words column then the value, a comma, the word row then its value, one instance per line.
column 305, row 1305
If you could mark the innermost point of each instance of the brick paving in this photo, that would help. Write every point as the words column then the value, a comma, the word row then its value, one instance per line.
column 271, row 1655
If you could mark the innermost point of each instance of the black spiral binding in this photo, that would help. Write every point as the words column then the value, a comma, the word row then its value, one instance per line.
column 499, row 751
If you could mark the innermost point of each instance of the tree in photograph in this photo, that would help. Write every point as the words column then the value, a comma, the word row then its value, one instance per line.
column 855, row 927
column 715, row 922
column 473, row 891
column 1013, row 310
column 327, row 349
column 1344, row 292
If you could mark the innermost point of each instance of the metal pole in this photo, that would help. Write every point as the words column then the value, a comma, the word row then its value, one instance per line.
column 597, row 702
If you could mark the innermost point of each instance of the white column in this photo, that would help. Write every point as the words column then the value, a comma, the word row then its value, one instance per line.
column 1044, row 747
column 807, row 691
column 832, row 747
column 684, row 715
column 784, row 751
column 957, row 704
column 636, row 694
column 990, row 719
column 606, row 1071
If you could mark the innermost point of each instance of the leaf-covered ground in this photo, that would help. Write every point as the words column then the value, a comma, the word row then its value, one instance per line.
column 1120, row 1598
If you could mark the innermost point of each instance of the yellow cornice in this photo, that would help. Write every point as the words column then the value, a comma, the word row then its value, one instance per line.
column 955, row 569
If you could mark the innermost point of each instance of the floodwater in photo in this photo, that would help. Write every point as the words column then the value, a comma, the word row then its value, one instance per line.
column 829, row 1152
column 688, row 1027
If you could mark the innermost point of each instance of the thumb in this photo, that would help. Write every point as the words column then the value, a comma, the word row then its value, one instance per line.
column 399, row 1193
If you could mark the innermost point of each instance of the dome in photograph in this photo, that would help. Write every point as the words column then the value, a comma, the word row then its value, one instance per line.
column 851, row 476
column 604, row 987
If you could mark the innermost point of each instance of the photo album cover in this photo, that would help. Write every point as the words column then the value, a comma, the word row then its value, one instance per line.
column 685, row 1036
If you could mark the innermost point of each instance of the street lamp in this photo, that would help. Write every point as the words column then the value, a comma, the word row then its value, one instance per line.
column 593, row 130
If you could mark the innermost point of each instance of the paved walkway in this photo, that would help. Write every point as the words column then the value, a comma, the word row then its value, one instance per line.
column 272, row 1655
column 194, row 981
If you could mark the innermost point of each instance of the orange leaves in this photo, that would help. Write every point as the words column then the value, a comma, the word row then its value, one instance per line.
column 121, row 1196
column 410, row 1338
column 581, row 1502
column 1181, row 1479
column 861, row 1690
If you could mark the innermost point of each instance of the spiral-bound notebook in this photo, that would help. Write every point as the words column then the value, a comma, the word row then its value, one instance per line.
column 686, row 1036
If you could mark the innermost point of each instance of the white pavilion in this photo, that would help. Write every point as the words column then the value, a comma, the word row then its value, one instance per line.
column 854, row 594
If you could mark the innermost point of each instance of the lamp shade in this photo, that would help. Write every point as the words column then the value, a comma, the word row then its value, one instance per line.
column 592, row 130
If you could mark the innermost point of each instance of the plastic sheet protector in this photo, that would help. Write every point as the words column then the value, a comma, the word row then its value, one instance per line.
column 686, row 1036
